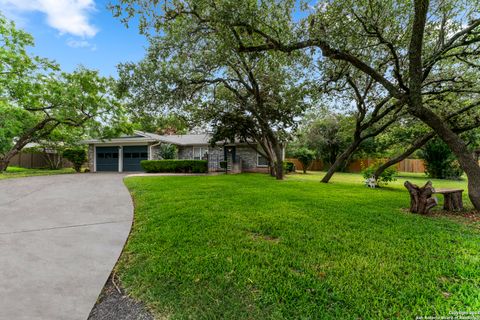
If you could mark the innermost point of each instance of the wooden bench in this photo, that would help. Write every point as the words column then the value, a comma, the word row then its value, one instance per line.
column 422, row 200
column 452, row 199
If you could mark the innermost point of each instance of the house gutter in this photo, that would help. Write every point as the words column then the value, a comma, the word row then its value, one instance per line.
column 150, row 149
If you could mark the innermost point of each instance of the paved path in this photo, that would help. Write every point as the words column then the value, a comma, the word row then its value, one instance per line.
column 60, row 237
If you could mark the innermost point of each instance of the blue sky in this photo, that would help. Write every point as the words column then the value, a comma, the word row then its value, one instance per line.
column 76, row 32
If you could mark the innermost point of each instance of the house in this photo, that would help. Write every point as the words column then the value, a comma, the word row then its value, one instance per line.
column 124, row 153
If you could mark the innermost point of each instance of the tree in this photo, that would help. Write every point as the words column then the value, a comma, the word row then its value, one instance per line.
column 431, row 58
column 52, row 147
column 77, row 156
column 37, row 99
column 326, row 133
column 220, row 86
column 306, row 157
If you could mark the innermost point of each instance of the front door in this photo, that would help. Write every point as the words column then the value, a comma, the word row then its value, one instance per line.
column 229, row 153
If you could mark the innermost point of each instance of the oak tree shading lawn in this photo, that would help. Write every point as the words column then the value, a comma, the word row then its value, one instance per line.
column 250, row 247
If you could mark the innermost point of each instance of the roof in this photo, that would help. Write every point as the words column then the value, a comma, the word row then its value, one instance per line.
column 183, row 139
column 140, row 136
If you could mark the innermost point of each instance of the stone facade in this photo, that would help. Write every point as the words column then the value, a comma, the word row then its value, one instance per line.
column 248, row 157
column 246, row 154
column 91, row 158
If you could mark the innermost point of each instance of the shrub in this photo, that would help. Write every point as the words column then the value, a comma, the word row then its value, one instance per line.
column 388, row 175
column 176, row 166
column 223, row 164
column 76, row 156
column 288, row 166
column 167, row 151
column 305, row 156
column 440, row 162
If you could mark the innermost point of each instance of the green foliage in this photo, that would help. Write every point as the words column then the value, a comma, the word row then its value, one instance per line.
column 156, row 123
column 305, row 156
column 223, row 164
column 328, row 134
column 246, row 247
column 288, row 167
column 167, row 151
column 77, row 156
column 13, row 122
column 388, row 175
column 37, row 99
column 440, row 162
column 177, row 166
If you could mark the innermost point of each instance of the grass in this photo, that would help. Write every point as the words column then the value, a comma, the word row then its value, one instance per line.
column 249, row 247
column 18, row 172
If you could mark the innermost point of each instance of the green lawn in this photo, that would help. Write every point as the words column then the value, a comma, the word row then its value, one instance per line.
column 17, row 172
column 249, row 247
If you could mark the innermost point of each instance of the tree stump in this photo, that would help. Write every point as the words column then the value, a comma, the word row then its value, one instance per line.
column 452, row 199
column 421, row 200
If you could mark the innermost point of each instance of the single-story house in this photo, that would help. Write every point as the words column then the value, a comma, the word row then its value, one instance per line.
column 124, row 153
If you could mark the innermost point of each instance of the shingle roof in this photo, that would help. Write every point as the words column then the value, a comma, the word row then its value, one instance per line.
column 182, row 140
column 140, row 136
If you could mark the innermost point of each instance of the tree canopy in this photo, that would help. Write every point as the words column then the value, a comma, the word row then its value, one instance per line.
column 37, row 99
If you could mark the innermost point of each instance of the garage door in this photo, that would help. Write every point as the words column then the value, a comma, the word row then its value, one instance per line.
column 132, row 156
column 107, row 158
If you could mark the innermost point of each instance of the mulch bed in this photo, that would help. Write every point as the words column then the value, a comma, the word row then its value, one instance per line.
column 114, row 304
column 468, row 217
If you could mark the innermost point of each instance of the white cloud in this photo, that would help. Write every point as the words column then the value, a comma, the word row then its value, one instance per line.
column 67, row 16
column 81, row 44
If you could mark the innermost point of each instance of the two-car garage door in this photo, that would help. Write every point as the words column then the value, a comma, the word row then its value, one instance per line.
column 108, row 158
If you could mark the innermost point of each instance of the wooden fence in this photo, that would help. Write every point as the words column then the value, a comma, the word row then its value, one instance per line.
column 407, row 165
column 33, row 160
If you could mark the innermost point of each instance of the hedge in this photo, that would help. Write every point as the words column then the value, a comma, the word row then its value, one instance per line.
column 178, row 166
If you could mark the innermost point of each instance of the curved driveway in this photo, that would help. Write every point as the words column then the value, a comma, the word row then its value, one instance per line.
column 60, row 237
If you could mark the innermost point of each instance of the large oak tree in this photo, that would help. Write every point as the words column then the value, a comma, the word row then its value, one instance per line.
column 36, row 99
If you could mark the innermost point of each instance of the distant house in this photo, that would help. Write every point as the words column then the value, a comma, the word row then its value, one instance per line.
column 123, row 154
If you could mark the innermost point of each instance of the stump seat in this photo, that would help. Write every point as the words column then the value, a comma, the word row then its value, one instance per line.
column 452, row 199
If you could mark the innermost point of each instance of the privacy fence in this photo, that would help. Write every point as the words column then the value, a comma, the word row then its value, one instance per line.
column 407, row 165
column 34, row 160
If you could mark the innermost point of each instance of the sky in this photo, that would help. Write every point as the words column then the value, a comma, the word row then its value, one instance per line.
column 76, row 32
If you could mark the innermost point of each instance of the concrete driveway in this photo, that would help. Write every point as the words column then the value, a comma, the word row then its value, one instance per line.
column 60, row 237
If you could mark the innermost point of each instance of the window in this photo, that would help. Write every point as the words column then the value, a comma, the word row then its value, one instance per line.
column 144, row 155
column 115, row 155
column 101, row 155
column 108, row 155
column 199, row 152
column 261, row 161
column 135, row 155
column 127, row 155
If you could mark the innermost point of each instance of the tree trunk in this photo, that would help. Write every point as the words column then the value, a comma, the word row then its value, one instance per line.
column 458, row 147
column 3, row 165
column 24, row 140
column 279, row 161
column 271, row 167
column 421, row 200
column 340, row 160
column 8, row 156
column 417, row 144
